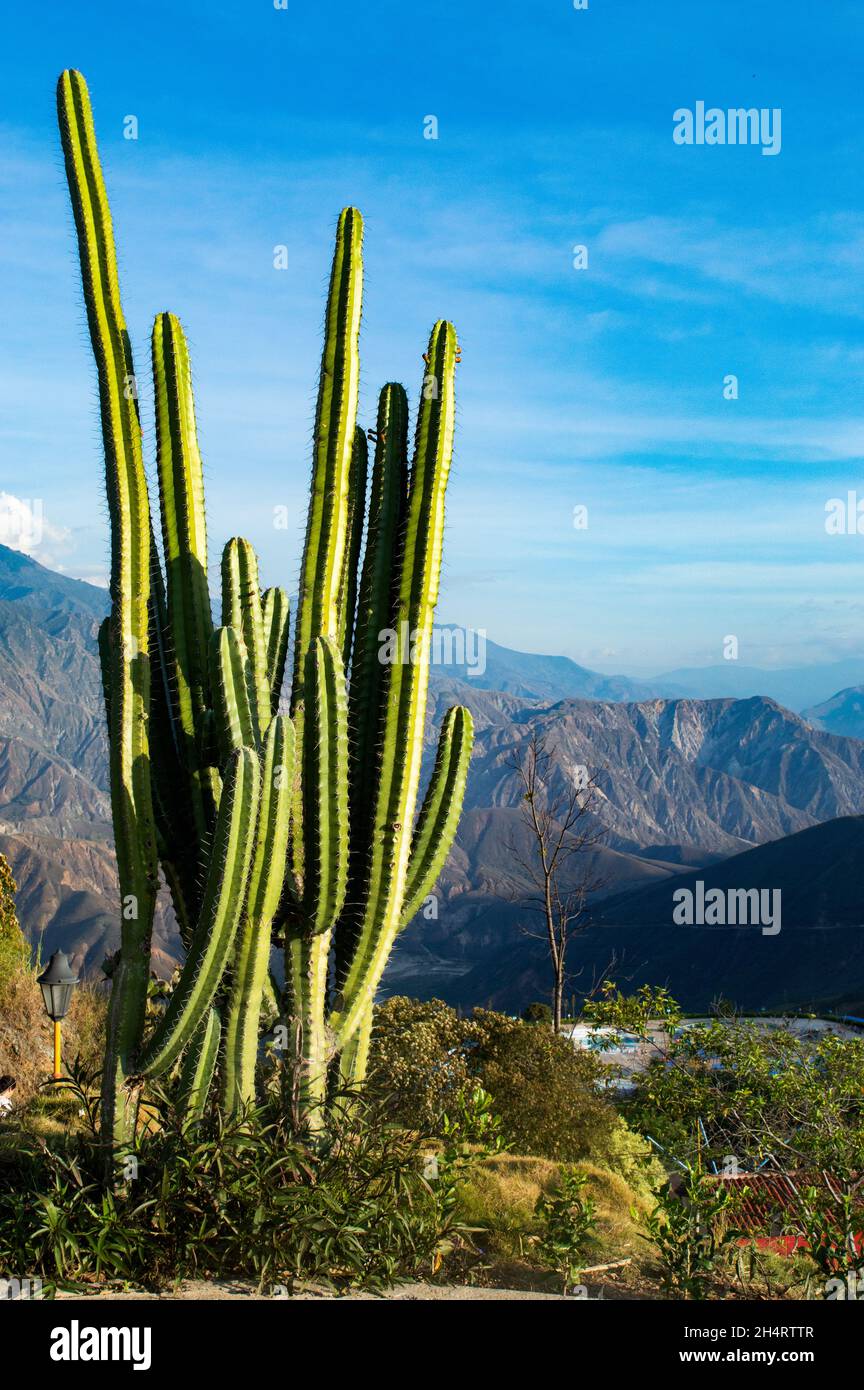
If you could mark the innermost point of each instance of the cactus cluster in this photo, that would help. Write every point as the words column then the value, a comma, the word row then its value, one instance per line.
column 294, row 822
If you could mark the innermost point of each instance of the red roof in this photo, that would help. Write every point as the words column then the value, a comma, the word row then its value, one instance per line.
column 762, row 1202
column 769, row 1196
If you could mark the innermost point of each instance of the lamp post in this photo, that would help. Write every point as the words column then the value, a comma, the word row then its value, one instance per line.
column 57, row 984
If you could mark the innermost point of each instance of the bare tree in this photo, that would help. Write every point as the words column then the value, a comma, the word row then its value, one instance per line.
column 560, row 817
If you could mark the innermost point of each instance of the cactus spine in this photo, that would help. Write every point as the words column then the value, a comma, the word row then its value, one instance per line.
column 303, row 823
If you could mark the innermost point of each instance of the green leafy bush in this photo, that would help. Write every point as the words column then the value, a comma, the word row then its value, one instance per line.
column 544, row 1089
column 546, row 1092
column 688, row 1229
column 13, row 947
column 418, row 1062
column 568, row 1219
column 537, row 1013
column 631, row 1155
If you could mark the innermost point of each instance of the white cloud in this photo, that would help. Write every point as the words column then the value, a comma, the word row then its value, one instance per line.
column 24, row 527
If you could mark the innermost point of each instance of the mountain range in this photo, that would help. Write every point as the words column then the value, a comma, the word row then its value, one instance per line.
column 553, row 678
column 798, row 688
column 685, row 784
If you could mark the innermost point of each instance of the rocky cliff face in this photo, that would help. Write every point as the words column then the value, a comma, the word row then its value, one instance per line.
column 712, row 776
column 55, row 826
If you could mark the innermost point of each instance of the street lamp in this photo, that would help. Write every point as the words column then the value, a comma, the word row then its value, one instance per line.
column 57, row 984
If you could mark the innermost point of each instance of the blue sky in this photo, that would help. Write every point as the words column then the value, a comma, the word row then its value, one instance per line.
column 600, row 387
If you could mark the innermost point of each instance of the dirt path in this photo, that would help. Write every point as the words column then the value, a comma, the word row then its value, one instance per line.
column 198, row 1290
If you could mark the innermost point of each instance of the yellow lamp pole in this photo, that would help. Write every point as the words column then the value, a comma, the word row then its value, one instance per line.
column 57, row 984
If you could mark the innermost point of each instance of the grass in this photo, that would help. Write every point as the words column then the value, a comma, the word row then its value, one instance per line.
column 498, row 1201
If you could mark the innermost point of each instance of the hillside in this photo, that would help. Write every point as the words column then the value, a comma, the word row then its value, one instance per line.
column 842, row 714
column 817, row 958
column 50, row 696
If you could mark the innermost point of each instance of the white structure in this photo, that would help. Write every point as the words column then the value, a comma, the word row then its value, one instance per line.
column 630, row 1054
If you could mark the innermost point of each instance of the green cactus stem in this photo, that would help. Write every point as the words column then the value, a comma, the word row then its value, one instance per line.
column 276, row 616
column 242, row 610
column 325, row 787
column 252, row 956
column 322, row 579
column 406, row 683
column 234, row 719
column 354, row 532
column 125, row 645
column 184, row 542
column 376, row 612
column 439, row 814
column 199, row 1065
column 224, row 900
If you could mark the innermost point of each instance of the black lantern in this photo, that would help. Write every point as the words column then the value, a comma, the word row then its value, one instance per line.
column 57, row 984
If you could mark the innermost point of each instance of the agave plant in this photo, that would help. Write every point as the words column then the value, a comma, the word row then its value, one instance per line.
column 295, row 821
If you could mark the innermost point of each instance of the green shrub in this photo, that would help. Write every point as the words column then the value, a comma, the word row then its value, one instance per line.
column 13, row 947
column 418, row 1064
column 687, row 1228
column 545, row 1092
column 632, row 1156
column 246, row 1199
column 567, row 1217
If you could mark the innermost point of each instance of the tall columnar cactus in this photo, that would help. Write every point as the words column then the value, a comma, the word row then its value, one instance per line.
column 306, row 826
column 124, row 641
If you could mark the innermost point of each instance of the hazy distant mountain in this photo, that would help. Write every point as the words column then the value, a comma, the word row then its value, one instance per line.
column 842, row 714
column 796, row 688
column 47, row 597
column 552, row 678
column 534, row 677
